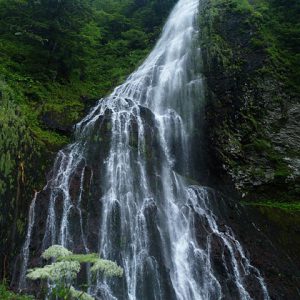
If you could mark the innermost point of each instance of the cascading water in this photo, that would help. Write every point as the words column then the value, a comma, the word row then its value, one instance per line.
column 122, row 190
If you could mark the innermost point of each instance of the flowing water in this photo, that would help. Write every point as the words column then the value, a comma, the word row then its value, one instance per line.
column 122, row 188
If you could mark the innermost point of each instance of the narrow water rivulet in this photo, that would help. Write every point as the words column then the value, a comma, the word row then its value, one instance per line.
column 122, row 189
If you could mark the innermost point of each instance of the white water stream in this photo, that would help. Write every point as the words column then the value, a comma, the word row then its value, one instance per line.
column 148, row 215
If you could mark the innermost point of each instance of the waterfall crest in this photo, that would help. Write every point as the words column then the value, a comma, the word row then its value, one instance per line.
column 122, row 188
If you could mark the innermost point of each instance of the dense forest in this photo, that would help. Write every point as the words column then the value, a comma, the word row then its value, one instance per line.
column 251, row 62
column 59, row 57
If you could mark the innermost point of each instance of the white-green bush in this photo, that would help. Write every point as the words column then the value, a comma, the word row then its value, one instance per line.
column 65, row 268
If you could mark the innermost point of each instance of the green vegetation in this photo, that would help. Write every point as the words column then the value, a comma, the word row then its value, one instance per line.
column 286, row 206
column 6, row 294
column 65, row 269
column 58, row 53
column 251, row 61
column 20, row 153
column 276, row 27
column 281, row 32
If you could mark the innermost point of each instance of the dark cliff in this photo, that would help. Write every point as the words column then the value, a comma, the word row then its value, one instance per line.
column 253, row 108
column 250, row 51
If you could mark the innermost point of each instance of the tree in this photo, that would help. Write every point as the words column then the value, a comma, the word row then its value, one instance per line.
column 65, row 268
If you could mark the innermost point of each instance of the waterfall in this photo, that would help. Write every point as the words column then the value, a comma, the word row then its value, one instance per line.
column 122, row 189
column 25, row 250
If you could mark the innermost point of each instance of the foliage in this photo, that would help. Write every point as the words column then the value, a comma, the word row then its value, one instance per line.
column 65, row 269
column 19, row 154
column 5, row 294
column 107, row 268
column 276, row 29
column 15, row 138
column 56, row 53
column 56, row 251
column 280, row 30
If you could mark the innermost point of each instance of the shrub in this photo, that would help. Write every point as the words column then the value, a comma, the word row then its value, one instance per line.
column 65, row 268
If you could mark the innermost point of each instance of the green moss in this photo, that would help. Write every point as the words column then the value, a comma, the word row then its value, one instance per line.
column 245, row 63
column 262, row 145
column 282, row 171
column 252, row 120
column 277, row 31
column 276, row 160
column 287, row 206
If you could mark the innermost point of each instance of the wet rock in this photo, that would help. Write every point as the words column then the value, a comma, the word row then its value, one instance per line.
column 272, row 244
column 252, row 122
column 57, row 121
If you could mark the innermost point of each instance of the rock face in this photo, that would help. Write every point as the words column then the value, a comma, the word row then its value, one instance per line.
column 251, row 114
column 85, row 189
column 263, row 232
column 270, row 237
column 253, row 140
column 51, row 120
